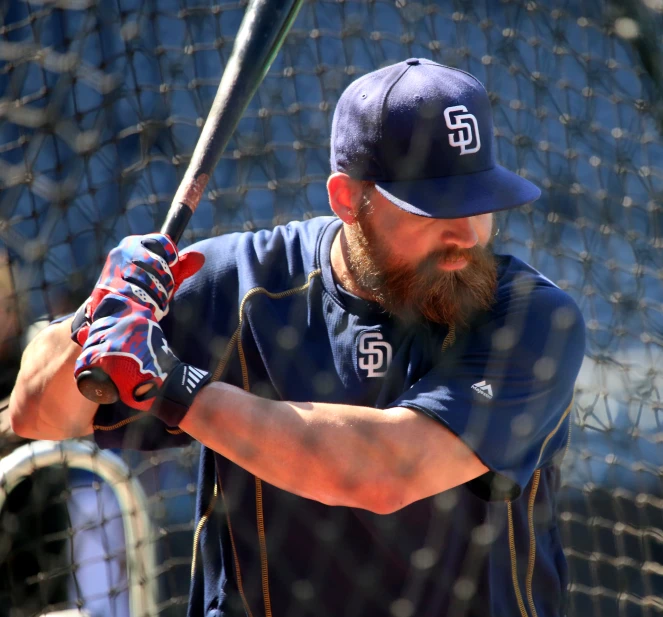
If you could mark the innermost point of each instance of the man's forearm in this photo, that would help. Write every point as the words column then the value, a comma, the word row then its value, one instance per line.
column 336, row 454
column 45, row 402
column 347, row 455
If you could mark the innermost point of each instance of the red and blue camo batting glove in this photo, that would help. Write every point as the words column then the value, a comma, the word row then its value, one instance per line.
column 130, row 347
column 145, row 269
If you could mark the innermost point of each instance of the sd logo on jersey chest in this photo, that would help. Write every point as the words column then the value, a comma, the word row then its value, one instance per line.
column 373, row 354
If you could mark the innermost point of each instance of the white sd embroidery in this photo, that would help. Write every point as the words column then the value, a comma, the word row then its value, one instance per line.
column 467, row 129
column 374, row 354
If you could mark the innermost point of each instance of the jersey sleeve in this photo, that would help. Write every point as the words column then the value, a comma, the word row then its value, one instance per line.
column 507, row 389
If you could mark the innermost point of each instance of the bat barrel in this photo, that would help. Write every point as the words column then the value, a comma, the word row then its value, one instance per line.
column 260, row 36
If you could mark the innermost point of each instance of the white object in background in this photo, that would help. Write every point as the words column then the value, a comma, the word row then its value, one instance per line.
column 128, row 492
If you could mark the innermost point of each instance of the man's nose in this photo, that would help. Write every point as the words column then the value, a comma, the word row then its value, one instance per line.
column 460, row 232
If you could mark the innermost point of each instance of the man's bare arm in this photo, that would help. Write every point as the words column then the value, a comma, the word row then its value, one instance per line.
column 379, row 460
column 45, row 402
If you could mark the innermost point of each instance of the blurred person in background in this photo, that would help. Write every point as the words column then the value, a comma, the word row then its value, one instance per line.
column 10, row 353
column 34, row 517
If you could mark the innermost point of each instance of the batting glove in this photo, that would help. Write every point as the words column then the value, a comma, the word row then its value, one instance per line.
column 130, row 347
column 145, row 269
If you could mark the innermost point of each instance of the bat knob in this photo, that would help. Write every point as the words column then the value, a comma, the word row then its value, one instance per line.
column 95, row 385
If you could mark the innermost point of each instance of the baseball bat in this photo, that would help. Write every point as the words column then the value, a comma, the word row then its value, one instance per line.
column 259, row 38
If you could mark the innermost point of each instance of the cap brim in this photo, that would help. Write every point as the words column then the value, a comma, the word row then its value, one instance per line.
column 461, row 196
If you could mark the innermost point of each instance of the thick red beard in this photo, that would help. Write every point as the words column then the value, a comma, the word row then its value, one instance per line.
column 425, row 291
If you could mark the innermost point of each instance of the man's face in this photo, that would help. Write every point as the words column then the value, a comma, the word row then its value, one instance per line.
column 440, row 269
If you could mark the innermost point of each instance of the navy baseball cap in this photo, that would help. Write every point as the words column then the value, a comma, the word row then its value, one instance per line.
column 423, row 133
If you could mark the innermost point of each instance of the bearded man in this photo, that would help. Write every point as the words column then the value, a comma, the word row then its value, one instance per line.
column 382, row 401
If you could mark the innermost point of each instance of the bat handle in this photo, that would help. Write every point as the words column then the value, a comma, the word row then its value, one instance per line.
column 95, row 385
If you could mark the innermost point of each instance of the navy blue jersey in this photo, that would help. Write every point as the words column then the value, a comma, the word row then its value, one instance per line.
column 266, row 314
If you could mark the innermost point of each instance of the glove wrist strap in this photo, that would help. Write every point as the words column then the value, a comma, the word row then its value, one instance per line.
column 78, row 323
column 177, row 393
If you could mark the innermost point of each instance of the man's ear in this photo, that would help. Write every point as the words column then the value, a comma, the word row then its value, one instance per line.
column 344, row 196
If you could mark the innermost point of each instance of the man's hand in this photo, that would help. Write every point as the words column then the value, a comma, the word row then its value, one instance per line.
column 145, row 269
column 130, row 347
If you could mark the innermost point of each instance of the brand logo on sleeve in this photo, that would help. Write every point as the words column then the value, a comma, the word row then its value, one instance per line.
column 483, row 388
column 464, row 129
column 374, row 354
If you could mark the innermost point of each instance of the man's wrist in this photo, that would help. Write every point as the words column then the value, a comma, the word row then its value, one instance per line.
column 218, row 402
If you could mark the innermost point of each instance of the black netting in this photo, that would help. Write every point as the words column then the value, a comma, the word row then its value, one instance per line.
column 101, row 104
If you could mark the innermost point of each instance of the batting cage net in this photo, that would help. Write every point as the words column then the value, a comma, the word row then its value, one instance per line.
column 101, row 104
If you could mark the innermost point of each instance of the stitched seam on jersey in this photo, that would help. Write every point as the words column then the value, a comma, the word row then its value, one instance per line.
column 260, row 515
column 264, row 564
column 221, row 366
column 450, row 338
column 514, row 563
column 238, row 572
column 223, row 362
column 199, row 528
column 120, row 424
column 274, row 296
column 568, row 443
column 532, row 542
column 552, row 433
